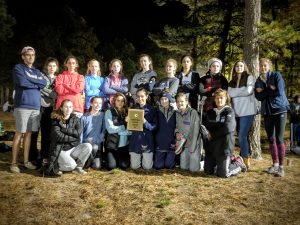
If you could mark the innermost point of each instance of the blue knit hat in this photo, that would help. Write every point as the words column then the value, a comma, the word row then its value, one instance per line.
column 168, row 96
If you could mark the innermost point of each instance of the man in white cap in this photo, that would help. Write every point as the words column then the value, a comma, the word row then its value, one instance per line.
column 28, row 82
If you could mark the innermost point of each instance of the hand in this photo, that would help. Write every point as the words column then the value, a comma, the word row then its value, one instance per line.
column 273, row 87
column 208, row 89
column 90, row 140
column 259, row 90
column 145, row 120
column 126, row 119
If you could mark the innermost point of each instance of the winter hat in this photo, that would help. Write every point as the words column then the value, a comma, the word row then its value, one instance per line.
column 168, row 96
column 26, row 49
column 212, row 60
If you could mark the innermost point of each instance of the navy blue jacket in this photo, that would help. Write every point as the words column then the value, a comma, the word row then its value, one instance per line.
column 143, row 141
column 28, row 83
column 166, row 124
column 272, row 101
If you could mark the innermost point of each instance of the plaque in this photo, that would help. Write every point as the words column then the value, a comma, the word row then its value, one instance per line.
column 135, row 119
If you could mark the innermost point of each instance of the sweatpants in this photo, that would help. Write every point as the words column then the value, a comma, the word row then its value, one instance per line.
column 141, row 159
column 75, row 157
column 190, row 160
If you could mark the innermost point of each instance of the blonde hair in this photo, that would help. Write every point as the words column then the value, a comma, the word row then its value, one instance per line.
column 181, row 94
column 88, row 71
column 170, row 60
column 265, row 60
column 224, row 93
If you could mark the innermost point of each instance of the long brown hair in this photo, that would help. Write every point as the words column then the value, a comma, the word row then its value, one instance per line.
column 123, row 111
column 244, row 75
column 58, row 114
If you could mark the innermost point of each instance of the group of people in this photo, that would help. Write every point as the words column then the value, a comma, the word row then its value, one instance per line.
column 79, row 116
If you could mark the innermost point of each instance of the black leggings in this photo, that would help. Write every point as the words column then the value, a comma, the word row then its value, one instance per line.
column 275, row 127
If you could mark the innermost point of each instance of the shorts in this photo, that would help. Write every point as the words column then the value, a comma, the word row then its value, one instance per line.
column 27, row 119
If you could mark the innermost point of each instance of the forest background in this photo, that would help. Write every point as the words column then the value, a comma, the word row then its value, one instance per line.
column 160, row 28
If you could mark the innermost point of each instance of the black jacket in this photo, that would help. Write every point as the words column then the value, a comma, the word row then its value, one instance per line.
column 64, row 136
column 222, row 131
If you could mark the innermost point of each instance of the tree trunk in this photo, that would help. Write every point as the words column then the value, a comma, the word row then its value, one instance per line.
column 251, row 55
column 225, row 32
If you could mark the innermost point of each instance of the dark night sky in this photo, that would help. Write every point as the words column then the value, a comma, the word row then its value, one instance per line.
column 131, row 19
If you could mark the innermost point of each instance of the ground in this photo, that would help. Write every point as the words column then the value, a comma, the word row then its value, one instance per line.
column 149, row 197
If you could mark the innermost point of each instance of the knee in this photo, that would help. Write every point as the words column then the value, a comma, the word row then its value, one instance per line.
column 147, row 167
column 135, row 166
column 88, row 147
column 222, row 174
column 272, row 140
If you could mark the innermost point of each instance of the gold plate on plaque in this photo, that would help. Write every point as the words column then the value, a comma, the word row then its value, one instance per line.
column 135, row 119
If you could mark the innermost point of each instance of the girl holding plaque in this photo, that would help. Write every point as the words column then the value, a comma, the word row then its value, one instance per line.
column 141, row 144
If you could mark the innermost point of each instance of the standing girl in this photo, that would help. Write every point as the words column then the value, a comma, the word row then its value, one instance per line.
column 141, row 144
column 94, row 131
column 188, row 128
column 145, row 78
column 94, row 83
column 70, row 85
column 169, row 83
column 65, row 140
column 213, row 80
column 189, row 81
column 115, row 124
column 115, row 82
column 48, row 97
column 241, row 91
column 269, row 89
column 164, row 138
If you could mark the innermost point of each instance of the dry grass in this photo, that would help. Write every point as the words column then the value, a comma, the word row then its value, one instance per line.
column 154, row 197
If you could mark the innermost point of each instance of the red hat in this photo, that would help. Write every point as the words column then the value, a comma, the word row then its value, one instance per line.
column 27, row 48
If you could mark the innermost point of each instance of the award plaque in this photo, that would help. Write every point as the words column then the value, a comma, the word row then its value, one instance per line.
column 135, row 119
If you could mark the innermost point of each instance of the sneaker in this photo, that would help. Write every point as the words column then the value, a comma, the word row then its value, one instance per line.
column 59, row 173
column 272, row 170
column 79, row 170
column 14, row 168
column 241, row 163
column 29, row 165
column 179, row 146
column 280, row 172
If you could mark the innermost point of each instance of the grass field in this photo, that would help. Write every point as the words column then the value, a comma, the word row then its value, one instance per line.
column 149, row 197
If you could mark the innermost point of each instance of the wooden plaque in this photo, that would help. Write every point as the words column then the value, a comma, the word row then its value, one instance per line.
column 135, row 119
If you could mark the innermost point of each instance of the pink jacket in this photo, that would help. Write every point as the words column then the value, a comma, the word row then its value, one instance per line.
column 70, row 86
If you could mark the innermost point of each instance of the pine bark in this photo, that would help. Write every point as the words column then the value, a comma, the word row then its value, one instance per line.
column 251, row 55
